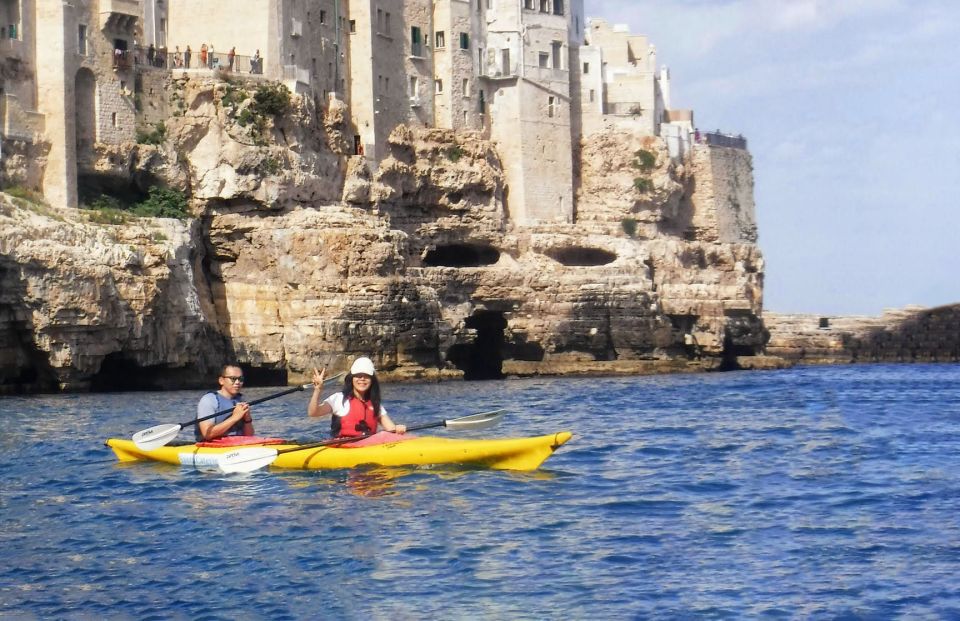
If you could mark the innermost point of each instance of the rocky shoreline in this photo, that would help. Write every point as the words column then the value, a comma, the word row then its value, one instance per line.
column 299, row 255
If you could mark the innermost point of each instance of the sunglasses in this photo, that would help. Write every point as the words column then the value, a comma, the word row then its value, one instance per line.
column 236, row 379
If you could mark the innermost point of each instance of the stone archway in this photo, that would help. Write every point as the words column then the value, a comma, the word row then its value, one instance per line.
column 85, row 105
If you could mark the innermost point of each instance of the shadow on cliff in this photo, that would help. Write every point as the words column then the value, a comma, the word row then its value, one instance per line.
column 24, row 368
column 931, row 335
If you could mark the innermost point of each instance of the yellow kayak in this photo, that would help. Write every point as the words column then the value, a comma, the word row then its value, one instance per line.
column 503, row 454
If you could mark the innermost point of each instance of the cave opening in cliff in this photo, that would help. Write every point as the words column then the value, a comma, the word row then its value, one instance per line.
column 118, row 373
column 731, row 351
column 482, row 359
column 461, row 255
column 579, row 256
column 97, row 191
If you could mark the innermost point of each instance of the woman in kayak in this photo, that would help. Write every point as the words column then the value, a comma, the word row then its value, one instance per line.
column 239, row 422
column 356, row 410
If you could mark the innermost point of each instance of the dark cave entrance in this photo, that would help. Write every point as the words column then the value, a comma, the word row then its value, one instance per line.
column 461, row 255
column 120, row 374
column 482, row 359
column 578, row 256
column 728, row 358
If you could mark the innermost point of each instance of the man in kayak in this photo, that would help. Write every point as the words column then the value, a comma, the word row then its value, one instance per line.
column 239, row 422
column 356, row 410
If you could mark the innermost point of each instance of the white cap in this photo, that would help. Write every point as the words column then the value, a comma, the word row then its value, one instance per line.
column 362, row 365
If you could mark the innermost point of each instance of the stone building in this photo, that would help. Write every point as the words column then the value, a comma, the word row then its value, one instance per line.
column 534, row 76
column 67, row 83
column 621, row 87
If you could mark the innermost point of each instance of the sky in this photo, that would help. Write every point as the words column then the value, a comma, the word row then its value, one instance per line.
column 850, row 109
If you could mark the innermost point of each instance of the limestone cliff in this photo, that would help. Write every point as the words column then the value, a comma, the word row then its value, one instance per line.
column 912, row 334
column 300, row 255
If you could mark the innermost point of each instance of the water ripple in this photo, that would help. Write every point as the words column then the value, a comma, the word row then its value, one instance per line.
column 811, row 493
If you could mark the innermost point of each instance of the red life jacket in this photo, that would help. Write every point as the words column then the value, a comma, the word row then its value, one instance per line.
column 359, row 421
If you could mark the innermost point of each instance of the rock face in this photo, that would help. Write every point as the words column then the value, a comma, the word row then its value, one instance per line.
column 302, row 256
column 912, row 334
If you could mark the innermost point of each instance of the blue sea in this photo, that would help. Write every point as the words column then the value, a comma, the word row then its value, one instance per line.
column 810, row 493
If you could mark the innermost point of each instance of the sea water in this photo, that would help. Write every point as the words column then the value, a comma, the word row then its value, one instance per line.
column 823, row 493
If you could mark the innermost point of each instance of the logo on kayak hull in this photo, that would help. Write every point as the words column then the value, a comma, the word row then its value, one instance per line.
column 199, row 459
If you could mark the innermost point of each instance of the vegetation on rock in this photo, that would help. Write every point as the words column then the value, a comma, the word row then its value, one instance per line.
column 160, row 203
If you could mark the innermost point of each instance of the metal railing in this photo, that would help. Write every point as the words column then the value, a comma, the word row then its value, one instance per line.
column 719, row 139
column 161, row 58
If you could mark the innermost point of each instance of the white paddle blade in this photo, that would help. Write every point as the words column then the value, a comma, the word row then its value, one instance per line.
column 247, row 459
column 476, row 421
column 156, row 436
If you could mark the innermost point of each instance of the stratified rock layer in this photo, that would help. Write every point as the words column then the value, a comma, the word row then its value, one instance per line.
column 300, row 256
column 912, row 334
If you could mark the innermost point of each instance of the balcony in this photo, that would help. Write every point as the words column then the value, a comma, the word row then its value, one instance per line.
column 499, row 72
column 119, row 15
column 11, row 48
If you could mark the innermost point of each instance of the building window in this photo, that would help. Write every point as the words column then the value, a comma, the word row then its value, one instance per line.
column 465, row 85
column 440, row 39
column 544, row 6
column 414, row 87
column 557, row 48
column 558, row 7
column 82, row 39
column 528, row 4
column 113, row 119
column 586, row 68
column 551, row 106
column 464, row 41
column 544, row 59
column 439, row 86
column 593, row 95
column 386, row 23
column 416, row 43
column 323, row 16
column 353, row 26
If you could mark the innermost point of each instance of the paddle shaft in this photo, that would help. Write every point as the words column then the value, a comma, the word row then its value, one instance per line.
column 248, row 460
column 194, row 421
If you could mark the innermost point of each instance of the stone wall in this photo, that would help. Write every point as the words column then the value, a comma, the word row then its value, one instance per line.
column 912, row 334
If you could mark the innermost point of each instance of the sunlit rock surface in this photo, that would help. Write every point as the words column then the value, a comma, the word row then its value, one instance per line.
column 301, row 255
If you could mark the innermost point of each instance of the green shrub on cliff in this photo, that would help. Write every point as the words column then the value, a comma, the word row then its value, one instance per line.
column 160, row 203
column 272, row 98
column 455, row 152
column 153, row 136
column 163, row 203
column 643, row 184
column 645, row 160
column 629, row 226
